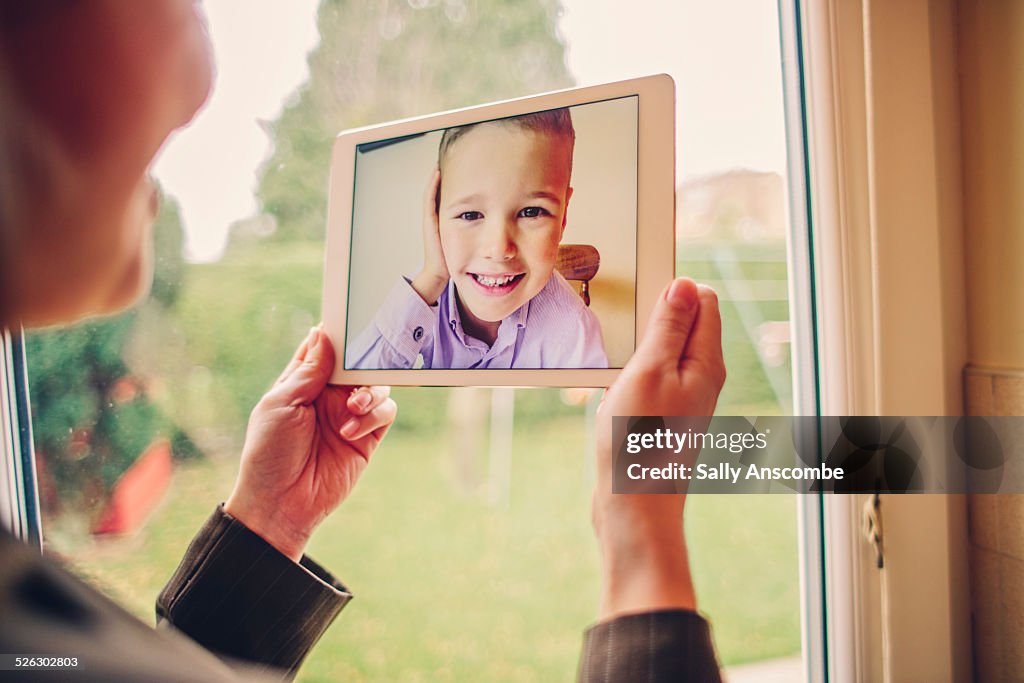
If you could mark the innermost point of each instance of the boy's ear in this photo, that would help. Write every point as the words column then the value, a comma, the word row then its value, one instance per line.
column 437, row 194
column 565, row 212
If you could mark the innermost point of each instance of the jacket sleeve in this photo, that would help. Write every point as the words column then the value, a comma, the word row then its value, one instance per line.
column 651, row 647
column 236, row 595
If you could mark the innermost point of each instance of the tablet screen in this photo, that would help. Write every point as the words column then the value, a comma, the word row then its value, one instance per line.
column 506, row 244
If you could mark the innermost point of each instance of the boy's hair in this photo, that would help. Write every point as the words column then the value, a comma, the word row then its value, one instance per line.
column 554, row 122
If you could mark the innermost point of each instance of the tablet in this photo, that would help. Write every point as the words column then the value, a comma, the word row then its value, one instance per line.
column 520, row 243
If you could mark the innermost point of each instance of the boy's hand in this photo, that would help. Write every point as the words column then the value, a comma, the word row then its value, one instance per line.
column 305, row 448
column 432, row 280
column 677, row 370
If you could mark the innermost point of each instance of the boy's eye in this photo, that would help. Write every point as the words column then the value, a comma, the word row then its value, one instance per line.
column 533, row 212
column 470, row 216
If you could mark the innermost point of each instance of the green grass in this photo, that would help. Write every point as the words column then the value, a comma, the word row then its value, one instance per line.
column 743, row 549
column 451, row 588
column 133, row 570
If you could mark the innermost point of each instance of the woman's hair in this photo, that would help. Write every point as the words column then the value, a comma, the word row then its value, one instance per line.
column 554, row 122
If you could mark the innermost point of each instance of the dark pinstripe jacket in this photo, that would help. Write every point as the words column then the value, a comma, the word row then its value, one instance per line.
column 261, row 613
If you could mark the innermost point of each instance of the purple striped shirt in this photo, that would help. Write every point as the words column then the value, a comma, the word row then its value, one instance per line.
column 554, row 329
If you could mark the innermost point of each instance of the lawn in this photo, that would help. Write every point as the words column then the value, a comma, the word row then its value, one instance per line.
column 451, row 588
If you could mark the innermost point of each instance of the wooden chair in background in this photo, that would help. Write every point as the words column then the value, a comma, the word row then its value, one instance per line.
column 579, row 262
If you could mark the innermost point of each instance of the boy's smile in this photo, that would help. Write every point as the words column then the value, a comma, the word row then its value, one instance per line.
column 504, row 194
column 498, row 284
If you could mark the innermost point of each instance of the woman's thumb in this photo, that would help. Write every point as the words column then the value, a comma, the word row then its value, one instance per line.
column 308, row 379
column 670, row 324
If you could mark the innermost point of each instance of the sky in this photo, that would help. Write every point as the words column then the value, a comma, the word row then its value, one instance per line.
column 723, row 55
column 210, row 166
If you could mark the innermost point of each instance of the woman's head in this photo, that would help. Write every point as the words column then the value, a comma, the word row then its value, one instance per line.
column 89, row 91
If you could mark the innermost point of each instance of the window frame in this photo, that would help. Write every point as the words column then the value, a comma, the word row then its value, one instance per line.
column 880, row 120
column 19, row 493
column 804, row 353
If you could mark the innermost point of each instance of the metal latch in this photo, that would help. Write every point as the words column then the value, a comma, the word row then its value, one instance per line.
column 871, row 523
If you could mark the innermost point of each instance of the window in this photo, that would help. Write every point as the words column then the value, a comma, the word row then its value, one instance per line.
column 479, row 500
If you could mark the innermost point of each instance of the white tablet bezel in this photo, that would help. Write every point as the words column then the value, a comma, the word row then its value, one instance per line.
column 655, row 239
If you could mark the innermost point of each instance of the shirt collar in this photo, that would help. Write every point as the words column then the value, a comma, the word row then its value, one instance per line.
column 515, row 322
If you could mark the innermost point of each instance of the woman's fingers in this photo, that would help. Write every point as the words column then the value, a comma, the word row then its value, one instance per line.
column 306, row 380
column 364, row 399
column 359, row 426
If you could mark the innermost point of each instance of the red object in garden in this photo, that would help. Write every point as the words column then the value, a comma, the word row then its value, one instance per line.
column 137, row 492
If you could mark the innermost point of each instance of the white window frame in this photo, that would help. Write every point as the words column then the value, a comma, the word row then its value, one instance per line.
column 880, row 107
column 19, row 502
column 810, row 510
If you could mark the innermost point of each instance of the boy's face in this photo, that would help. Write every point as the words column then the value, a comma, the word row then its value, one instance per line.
column 502, row 209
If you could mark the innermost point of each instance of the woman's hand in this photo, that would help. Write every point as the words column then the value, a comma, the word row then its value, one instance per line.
column 677, row 370
column 431, row 281
column 305, row 448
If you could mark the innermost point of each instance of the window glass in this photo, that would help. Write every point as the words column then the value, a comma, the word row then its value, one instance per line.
column 731, row 229
column 468, row 541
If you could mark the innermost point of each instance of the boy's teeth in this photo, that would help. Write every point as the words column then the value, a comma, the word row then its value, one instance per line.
column 494, row 281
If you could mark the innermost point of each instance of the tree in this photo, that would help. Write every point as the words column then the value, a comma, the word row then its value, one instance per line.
column 379, row 61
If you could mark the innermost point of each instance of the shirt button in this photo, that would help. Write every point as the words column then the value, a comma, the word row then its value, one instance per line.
column 417, row 334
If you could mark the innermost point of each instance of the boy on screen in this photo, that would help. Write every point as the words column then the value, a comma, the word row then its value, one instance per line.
column 488, row 295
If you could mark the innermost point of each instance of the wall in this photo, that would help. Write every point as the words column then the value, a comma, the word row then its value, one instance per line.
column 991, row 54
